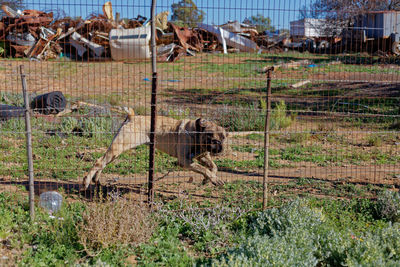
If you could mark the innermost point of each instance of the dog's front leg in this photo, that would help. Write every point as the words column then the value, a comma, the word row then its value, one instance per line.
column 207, row 161
column 208, row 175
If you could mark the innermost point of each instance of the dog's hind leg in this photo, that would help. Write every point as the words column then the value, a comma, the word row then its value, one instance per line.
column 126, row 139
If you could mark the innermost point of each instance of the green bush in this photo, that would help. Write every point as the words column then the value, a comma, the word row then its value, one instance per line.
column 11, row 99
column 252, row 117
column 296, row 250
column 388, row 206
column 95, row 127
column 297, row 235
column 68, row 124
column 279, row 118
column 378, row 248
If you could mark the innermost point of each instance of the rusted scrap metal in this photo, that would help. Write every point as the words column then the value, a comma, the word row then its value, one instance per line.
column 237, row 27
column 171, row 52
column 20, row 50
column 231, row 39
column 42, row 47
column 78, row 40
column 33, row 33
column 187, row 38
column 23, row 39
column 9, row 11
column 22, row 29
column 275, row 41
column 107, row 10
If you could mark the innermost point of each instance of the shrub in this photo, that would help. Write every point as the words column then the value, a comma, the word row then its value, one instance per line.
column 89, row 127
column 388, row 206
column 12, row 99
column 210, row 227
column 279, row 118
column 278, row 237
column 96, row 127
column 374, row 140
column 109, row 223
column 296, row 250
column 380, row 248
column 252, row 118
column 68, row 124
column 296, row 235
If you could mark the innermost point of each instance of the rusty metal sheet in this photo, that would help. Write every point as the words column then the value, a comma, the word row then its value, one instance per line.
column 187, row 38
column 20, row 50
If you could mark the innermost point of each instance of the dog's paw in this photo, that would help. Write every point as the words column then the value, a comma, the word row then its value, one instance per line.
column 218, row 182
column 215, row 181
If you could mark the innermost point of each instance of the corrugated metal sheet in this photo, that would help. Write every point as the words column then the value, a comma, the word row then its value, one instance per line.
column 311, row 28
column 379, row 24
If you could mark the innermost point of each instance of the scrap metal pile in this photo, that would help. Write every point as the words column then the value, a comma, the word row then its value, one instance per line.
column 37, row 35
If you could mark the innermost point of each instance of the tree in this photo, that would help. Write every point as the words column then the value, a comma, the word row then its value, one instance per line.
column 388, row 5
column 186, row 13
column 262, row 23
column 14, row 4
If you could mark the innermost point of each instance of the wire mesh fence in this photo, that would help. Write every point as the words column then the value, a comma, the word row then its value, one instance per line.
column 335, row 98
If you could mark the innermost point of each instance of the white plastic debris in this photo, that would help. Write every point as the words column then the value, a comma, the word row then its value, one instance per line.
column 51, row 201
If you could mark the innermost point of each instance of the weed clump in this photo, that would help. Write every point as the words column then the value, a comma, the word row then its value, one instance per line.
column 252, row 117
column 95, row 127
column 374, row 140
column 388, row 206
column 108, row 224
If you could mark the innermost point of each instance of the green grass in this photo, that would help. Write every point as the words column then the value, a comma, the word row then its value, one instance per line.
column 230, row 69
column 71, row 157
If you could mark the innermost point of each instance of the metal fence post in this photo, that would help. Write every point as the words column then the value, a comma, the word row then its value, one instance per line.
column 266, row 138
column 28, row 134
column 150, row 196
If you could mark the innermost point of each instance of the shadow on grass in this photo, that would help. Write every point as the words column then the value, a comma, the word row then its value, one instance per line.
column 100, row 191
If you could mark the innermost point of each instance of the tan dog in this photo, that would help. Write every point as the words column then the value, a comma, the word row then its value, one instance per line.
column 184, row 139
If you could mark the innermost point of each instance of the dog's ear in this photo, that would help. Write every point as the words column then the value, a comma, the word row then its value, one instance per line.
column 200, row 124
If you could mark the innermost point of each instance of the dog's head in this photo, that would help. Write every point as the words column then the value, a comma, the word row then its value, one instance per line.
column 211, row 137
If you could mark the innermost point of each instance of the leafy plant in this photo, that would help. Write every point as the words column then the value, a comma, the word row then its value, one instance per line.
column 374, row 140
column 210, row 227
column 388, row 205
column 298, row 234
column 252, row 118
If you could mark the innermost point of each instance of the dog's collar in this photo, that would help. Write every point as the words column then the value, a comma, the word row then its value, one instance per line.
column 181, row 129
column 195, row 136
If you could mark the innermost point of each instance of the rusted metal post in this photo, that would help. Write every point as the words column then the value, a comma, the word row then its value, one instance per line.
column 28, row 134
column 150, row 196
column 266, row 138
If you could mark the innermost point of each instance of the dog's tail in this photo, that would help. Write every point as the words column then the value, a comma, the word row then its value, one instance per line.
column 130, row 112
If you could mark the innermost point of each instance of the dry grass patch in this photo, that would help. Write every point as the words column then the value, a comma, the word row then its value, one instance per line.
column 112, row 223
